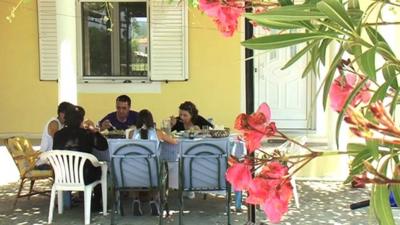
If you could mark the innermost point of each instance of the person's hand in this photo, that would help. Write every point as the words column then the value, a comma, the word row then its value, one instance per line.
column 90, row 126
column 173, row 120
column 105, row 125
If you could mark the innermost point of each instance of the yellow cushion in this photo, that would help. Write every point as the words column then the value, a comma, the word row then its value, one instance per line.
column 39, row 173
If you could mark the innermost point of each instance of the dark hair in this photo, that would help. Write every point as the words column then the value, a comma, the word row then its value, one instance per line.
column 144, row 118
column 63, row 107
column 191, row 109
column 124, row 98
column 74, row 116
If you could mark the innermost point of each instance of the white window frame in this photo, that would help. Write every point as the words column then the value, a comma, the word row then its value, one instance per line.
column 107, row 79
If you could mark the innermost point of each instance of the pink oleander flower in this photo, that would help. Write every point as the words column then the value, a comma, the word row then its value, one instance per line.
column 342, row 88
column 274, row 170
column 239, row 176
column 272, row 190
column 256, row 126
column 258, row 191
column 225, row 16
column 276, row 205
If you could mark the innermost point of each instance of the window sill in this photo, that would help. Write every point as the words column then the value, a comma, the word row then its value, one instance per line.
column 149, row 87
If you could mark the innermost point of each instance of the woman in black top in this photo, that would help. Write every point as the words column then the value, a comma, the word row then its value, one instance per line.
column 74, row 137
column 188, row 118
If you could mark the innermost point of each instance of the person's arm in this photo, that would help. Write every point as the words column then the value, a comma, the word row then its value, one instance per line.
column 57, row 142
column 105, row 123
column 99, row 141
column 52, row 128
column 165, row 137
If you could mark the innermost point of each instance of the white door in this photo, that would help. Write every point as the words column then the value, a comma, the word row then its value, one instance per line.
column 285, row 91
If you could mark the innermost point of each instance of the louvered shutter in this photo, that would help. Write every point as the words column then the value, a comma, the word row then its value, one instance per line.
column 168, row 40
column 47, row 39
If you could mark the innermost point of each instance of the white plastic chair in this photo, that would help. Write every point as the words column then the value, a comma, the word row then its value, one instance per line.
column 290, row 148
column 68, row 169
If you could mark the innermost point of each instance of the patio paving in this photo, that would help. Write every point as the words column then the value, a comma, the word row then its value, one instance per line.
column 321, row 203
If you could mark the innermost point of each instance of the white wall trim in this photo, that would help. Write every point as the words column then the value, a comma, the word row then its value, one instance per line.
column 152, row 87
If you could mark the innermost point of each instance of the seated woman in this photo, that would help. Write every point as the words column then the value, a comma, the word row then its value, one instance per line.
column 147, row 131
column 74, row 137
column 188, row 118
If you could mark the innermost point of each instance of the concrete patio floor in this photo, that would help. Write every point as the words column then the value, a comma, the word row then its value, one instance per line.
column 321, row 203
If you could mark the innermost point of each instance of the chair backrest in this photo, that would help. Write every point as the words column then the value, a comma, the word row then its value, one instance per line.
column 21, row 149
column 203, row 164
column 289, row 147
column 68, row 165
column 134, row 163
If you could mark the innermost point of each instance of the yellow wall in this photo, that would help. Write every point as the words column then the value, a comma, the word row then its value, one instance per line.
column 27, row 103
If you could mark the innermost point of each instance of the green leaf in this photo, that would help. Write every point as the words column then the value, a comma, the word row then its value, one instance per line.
column 376, row 37
column 331, row 74
column 373, row 147
column 385, row 51
column 281, row 40
column 389, row 73
column 394, row 102
column 395, row 188
column 307, row 25
column 354, row 4
column 322, row 50
column 380, row 93
column 347, row 103
column 279, row 25
column 367, row 63
column 285, row 2
column 381, row 205
column 307, row 70
column 284, row 14
column 336, row 12
column 357, row 164
column 355, row 147
column 354, row 12
column 299, row 54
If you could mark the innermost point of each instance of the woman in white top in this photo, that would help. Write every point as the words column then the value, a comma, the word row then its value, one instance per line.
column 52, row 126
column 147, row 131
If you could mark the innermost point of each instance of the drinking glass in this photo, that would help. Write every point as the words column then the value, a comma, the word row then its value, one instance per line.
column 166, row 126
column 204, row 130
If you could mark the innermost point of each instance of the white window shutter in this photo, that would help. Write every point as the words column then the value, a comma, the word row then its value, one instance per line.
column 47, row 39
column 168, row 40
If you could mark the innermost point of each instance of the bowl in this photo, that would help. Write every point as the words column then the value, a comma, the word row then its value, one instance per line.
column 219, row 133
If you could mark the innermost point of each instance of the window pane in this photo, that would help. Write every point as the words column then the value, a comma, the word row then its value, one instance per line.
column 133, row 39
column 96, row 40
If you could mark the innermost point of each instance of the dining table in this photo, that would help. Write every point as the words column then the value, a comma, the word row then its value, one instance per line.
column 170, row 152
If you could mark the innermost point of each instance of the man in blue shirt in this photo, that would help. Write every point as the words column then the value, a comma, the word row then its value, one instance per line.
column 121, row 119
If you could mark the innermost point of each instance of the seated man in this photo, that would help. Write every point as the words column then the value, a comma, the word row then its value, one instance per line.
column 122, row 119
column 52, row 126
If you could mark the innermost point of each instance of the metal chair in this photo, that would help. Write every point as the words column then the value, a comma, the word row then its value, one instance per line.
column 202, row 167
column 135, row 166
column 25, row 158
column 68, row 168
